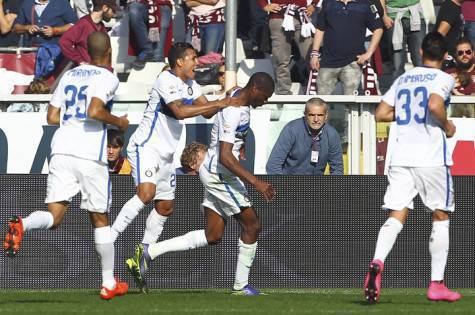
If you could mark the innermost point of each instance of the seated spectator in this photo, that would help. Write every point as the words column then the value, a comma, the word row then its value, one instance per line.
column 117, row 163
column 464, row 74
column 8, row 12
column 221, row 80
column 44, row 21
column 74, row 41
column 37, row 86
column 306, row 145
column 191, row 159
column 206, row 22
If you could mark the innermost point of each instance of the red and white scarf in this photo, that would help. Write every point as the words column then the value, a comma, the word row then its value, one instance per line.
column 307, row 28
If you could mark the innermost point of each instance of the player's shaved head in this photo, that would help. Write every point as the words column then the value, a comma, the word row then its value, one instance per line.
column 98, row 45
column 263, row 82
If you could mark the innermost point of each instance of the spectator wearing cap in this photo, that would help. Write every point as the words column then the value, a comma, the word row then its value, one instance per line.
column 288, row 22
column 44, row 21
column 74, row 42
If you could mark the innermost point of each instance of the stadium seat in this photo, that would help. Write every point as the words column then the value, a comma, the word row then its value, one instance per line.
column 147, row 74
column 240, row 53
column 249, row 66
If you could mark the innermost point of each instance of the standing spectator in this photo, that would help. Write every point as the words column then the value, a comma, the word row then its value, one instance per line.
column 341, row 28
column 117, row 164
column 468, row 12
column 44, row 20
column 406, row 25
column 164, row 8
column 306, row 145
column 288, row 22
column 206, row 20
column 138, row 24
column 82, row 7
column 191, row 159
column 74, row 42
column 464, row 74
column 8, row 12
column 450, row 23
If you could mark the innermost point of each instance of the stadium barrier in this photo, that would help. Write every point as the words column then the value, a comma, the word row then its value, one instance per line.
column 26, row 151
column 319, row 232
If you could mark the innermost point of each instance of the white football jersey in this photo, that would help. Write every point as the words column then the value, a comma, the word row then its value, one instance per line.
column 159, row 128
column 231, row 125
column 420, row 141
column 79, row 135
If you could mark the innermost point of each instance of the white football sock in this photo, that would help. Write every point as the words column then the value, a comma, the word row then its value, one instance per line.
column 190, row 240
column 386, row 238
column 247, row 252
column 126, row 215
column 153, row 227
column 105, row 249
column 439, row 249
column 42, row 220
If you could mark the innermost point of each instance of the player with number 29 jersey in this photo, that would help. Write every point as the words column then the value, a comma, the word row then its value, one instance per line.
column 420, row 140
column 79, row 135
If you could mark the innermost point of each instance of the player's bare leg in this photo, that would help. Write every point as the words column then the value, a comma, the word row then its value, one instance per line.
column 251, row 228
column 386, row 239
column 439, row 249
column 42, row 220
column 104, row 245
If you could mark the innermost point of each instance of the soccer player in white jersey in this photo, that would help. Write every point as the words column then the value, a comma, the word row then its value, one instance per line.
column 175, row 96
column 419, row 164
column 81, row 107
column 225, row 194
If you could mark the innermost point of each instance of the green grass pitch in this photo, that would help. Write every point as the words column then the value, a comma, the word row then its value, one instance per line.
column 275, row 301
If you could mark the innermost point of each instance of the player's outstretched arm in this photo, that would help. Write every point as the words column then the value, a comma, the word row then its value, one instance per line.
column 384, row 112
column 437, row 109
column 53, row 115
column 227, row 159
column 201, row 106
column 96, row 110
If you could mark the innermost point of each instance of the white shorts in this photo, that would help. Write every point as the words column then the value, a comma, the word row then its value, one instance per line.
column 69, row 175
column 149, row 167
column 224, row 194
column 433, row 184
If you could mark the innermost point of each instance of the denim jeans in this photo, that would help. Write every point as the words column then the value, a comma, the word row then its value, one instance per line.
column 138, row 24
column 414, row 43
column 212, row 37
column 165, row 21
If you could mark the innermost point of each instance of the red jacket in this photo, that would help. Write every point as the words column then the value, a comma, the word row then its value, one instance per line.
column 280, row 15
column 74, row 41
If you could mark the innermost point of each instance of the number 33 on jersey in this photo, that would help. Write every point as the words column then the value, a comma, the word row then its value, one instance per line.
column 420, row 140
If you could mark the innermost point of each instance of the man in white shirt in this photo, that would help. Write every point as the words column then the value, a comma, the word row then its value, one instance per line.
column 419, row 164
column 81, row 107
column 175, row 96
column 225, row 193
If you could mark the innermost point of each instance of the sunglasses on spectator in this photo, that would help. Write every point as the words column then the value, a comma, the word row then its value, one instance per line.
column 467, row 52
column 221, row 73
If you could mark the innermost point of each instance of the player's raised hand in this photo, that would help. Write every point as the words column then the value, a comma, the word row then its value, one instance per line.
column 266, row 190
column 123, row 123
column 450, row 129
